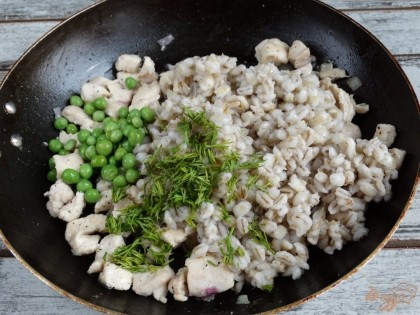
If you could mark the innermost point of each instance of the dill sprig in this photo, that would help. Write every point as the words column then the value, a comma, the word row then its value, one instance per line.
column 224, row 214
column 227, row 249
column 259, row 236
column 268, row 287
column 253, row 182
column 118, row 194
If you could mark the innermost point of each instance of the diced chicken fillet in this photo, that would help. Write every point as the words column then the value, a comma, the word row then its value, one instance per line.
column 122, row 204
column 78, row 234
column 272, row 50
column 178, row 285
column 147, row 73
column 398, row 156
column 145, row 95
column 353, row 131
column 120, row 98
column 73, row 209
column 64, row 136
column 174, row 237
column 77, row 116
column 114, row 277
column 101, row 81
column 334, row 74
column 62, row 162
column 345, row 102
column 90, row 92
column 128, row 63
column 105, row 203
column 134, row 193
column 107, row 246
column 103, row 185
column 299, row 55
column 59, row 195
column 205, row 280
column 156, row 283
column 386, row 134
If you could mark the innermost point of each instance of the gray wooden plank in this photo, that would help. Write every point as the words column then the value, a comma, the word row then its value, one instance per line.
column 371, row 4
column 22, row 293
column 49, row 9
column 388, row 26
column 43, row 9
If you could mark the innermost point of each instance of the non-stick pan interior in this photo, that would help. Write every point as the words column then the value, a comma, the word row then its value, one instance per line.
column 88, row 45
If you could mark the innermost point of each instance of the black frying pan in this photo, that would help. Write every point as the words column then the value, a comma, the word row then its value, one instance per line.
column 88, row 45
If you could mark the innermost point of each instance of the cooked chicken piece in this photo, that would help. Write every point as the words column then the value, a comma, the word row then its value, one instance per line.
column 352, row 130
column 206, row 280
column 62, row 202
column 399, row 156
column 114, row 277
column 107, row 246
column 145, row 95
column 90, row 92
column 156, row 283
column 178, row 285
column 122, row 76
column 78, row 233
column 333, row 74
column 299, row 55
column 120, row 98
column 64, row 136
column 105, row 203
column 174, row 237
column 134, row 193
column 272, row 50
column 62, row 162
column 345, row 102
column 103, row 185
column 77, row 116
column 128, row 63
column 101, row 81
column 147, row 73
column 386, row 134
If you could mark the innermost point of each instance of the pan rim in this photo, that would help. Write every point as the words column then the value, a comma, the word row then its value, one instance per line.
column 273, row 311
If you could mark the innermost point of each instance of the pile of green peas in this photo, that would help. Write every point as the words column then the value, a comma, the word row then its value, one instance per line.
column 106, row 151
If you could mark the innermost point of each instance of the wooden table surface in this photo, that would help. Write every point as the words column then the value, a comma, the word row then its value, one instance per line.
column 370, row 291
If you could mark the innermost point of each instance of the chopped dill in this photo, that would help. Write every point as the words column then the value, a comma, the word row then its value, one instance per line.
column 118, row 194
column 259, row 236
column 211, row 263
column 227, row 249
column 224, row 213
column 253, row 182
column 268, row 287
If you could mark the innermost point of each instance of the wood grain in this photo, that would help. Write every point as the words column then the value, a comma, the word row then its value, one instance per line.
column 40, row 10
column 19, row 10
column 22, row 293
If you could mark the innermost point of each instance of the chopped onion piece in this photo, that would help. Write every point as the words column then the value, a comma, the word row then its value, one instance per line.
column 242, row 299
column 165, row 41
column 57, row 111
column 326, row 66
column 354, row 83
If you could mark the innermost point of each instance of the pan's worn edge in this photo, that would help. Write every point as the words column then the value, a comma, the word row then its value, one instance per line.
column 271, row 312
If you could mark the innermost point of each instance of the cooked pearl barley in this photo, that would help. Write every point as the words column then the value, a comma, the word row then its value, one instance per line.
column 242, row 208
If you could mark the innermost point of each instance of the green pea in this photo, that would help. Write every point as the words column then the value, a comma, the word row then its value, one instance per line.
column 123, row 112
column 106, row 121
column 122, row 122
column 63, row 152
column 104, row 147
column 132, row 175
column 70, row 176
column 111, row 126
column 136, row 137
column 112, row 161
column 115, row 136
column 134, row 113
column 101, row 138
column 92, row 196
column 52, row 175
column 131, row 83
column 97, row 132
column 55, row 145
column 98, row 161
column 84, row 185
column 86, row 170
column 60, row 123
column 137, row 122
column 129, row 161
column 98, row 116
column 119, row 181
column 119, row 154
column 51, row 163
column 127, row 129
column 91, row 140
column 126, row 146
column 82, row 150
column 71, row 128
column 109, row 172
column 70, row 145
column 82, row 135
column 89, row 108
column 76, row 100
column 90, row 152
column 100, row 103
column 147, row 114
